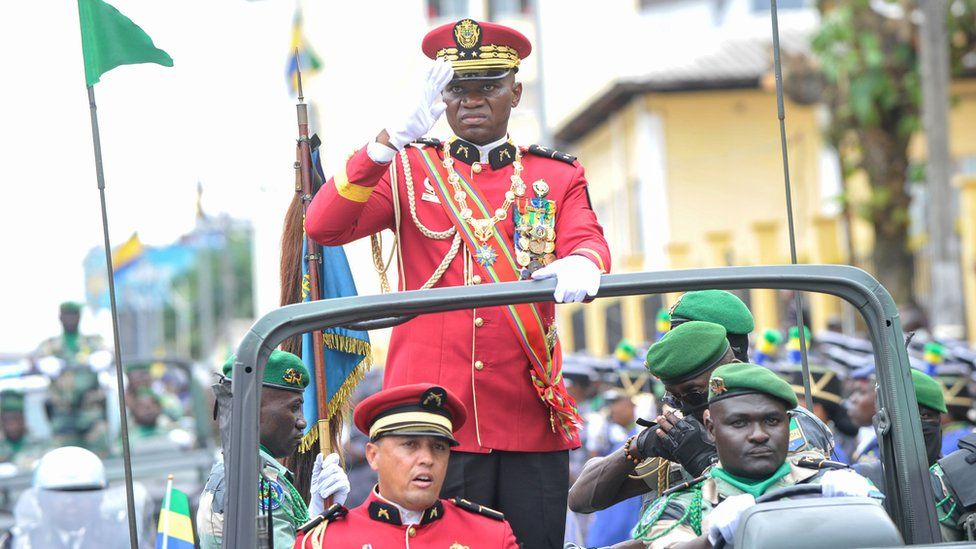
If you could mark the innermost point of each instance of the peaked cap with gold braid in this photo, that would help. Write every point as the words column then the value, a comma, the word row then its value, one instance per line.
column 477, row 50
column 420, row 409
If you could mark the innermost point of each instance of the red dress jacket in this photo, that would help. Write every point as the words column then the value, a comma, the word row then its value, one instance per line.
column 474, row 353
column 447, row 524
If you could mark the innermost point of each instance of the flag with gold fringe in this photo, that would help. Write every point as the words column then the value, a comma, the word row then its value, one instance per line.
column 307, row 61
column 348, row 354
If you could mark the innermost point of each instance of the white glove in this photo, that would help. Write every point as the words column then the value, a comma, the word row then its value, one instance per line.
column 846, row 483
column 431, row 106
column 576, row 278
column 328, row 479
column 725, row 518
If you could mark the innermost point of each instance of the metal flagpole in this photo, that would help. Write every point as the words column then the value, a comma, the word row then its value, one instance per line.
column 126, row 457
column 781, row 114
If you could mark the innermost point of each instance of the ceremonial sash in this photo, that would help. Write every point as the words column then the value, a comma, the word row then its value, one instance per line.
column 524, row 319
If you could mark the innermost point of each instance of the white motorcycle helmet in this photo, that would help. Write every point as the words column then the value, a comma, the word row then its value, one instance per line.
column 70, row 468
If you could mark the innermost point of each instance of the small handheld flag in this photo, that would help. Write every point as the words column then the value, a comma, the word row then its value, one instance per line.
column 175, row 530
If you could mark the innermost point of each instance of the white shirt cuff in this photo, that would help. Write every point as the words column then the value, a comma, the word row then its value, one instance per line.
column 380, row 153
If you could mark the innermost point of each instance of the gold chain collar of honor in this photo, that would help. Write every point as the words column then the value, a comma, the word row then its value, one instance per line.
column 483, row 228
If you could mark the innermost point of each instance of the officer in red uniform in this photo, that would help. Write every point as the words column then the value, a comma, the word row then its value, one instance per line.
column 410, row 432
column 474, row 209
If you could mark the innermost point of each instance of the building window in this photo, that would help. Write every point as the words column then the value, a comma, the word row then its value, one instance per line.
column 447, row 9
column 498, row 9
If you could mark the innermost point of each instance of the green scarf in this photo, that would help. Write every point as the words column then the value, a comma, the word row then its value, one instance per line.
column 751, row 486
column 70, row 342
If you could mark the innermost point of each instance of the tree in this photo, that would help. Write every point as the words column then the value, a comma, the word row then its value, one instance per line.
column 867, row 52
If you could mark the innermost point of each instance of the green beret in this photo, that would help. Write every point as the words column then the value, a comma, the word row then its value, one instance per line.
column 11, row 400
column 73, row 306
column 742, row 378
column 283, row 371
column 716, row 306
column 928, row 392
column 687, row 351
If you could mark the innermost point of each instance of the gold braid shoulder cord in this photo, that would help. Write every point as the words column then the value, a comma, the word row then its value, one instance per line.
column 377, row 245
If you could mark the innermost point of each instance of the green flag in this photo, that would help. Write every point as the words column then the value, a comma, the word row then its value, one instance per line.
column 110, row 39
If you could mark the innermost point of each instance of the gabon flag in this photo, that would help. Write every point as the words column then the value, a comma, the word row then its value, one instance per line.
column 175, row 530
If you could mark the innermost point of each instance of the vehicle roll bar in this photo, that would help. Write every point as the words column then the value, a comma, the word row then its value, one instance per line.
column 910, row 494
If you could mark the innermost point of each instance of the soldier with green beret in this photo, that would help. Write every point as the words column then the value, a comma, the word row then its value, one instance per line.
column 678, row 444
column 282, row 424
column 748, row 418
column 720, row 307
column 17, row 446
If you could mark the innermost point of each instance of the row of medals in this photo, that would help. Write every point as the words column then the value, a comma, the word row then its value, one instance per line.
column 536, row 242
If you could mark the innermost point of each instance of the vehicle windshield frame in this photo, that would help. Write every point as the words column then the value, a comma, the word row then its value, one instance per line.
column 910, row 502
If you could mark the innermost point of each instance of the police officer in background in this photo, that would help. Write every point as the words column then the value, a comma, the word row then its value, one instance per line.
column 281, row 509
column 411, row 432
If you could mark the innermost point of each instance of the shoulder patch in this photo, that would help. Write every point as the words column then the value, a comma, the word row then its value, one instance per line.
column 819, row 463
column 479, row 509
column 335, row 512
column 539, row 150
column 429, row 141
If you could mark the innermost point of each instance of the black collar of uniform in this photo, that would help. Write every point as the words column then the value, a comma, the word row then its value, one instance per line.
column 467, row 152
column 388, row 513
column 434, row 512
column 384, row 512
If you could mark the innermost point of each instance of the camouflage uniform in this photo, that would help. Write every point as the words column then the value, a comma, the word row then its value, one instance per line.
column 288, row 511
column 22, row 453
column 954, row 482
column 77, row 411
column 683, row 515
column 73, row 349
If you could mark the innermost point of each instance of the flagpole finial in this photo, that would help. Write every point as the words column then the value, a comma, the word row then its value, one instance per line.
column 169, row 476
column 298, row 73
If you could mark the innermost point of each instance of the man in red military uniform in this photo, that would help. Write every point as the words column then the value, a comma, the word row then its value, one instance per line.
column 474, row 209
column 410, row 432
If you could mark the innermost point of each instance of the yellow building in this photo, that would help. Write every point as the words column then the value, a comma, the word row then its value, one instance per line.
column 685, row 171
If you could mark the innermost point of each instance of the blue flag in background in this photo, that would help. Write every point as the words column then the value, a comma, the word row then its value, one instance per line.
column 347, row 352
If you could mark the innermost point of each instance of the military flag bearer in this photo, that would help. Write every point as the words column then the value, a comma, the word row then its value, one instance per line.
column 281, row 509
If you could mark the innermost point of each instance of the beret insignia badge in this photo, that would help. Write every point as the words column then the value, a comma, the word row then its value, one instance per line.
column 292, row 376
column 717, row 385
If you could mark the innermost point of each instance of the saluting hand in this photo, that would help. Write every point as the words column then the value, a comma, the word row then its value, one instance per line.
column 431, row 106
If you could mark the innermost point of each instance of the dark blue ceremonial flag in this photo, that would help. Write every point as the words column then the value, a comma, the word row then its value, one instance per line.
column 347, row 352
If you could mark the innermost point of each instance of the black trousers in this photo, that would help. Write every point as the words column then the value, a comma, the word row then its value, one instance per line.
column 530, row 488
